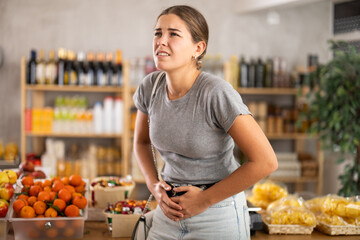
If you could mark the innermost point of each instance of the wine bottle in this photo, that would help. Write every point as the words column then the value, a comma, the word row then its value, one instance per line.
column 90, row 69
column 252, row 72
column 31, row 68
column 259, row 75
column 110, row 70
column 100, row 70
column 268, row 73
column 50, row 69
column 80, row 68
column 118, row 68
column 244, row 73
column 40, row 68
column 61, row 66
column 70, row 74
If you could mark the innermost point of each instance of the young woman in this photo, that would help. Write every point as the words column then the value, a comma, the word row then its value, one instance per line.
column 195, row 118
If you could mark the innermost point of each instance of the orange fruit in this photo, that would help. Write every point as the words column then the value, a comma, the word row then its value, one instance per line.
column 70, row 188
column 68, row 232
column 75, row 180
column 33, row 234
column 39, row 183
column 31, row 200
column 27, row 181
column 25, row 189
column 27, row 212
column 55, row 179
column 80, row 202
column 39, row 207
column 75, row 194
column 40, row 216
column 23, row 196
column 60, row 204
column 80, row 189
column 52, row 232
column 46, row 183
column 19, row 204
column 52, row 196
column 64, row 194
column 60, row 223
column 65, row 180
column 34, row 190
column 47, row 189
column 44, row 196
column 57, row 186
column 50, row 212
column 72, row 211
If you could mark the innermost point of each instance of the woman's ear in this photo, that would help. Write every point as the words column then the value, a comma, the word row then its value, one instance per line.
column 200, row 48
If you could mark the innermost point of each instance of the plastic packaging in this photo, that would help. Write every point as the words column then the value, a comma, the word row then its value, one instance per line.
column 118, row 115
column 108, row 115
column 98, row 118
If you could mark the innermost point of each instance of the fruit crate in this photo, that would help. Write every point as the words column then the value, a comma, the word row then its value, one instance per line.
column 49, row 228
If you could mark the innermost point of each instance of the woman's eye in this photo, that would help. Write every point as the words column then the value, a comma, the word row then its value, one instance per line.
column 157, row 34
column 174, row 34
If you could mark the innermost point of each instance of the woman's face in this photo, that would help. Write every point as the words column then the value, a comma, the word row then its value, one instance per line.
column 173, row 47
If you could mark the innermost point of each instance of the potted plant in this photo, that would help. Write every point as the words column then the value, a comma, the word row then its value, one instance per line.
column 334, row 110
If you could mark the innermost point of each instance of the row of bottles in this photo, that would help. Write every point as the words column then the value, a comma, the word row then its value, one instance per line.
column 71, row 115
column 70, row 68
column 271, row 73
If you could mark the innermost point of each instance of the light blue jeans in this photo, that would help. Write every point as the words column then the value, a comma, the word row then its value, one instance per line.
column 228, row 220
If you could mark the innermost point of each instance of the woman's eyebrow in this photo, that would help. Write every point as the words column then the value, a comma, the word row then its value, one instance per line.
column 169, row 29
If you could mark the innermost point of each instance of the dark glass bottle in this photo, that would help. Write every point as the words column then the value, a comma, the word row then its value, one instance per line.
column 61, row 66
column 90, row 69
column 244, row 73
column 252, row 73
column 80, row 68
column 31, row 68
column 70, row 75
column 110, row 69
column 268, row 73
column 101, row 76
column 118, row 69
column 259, row 75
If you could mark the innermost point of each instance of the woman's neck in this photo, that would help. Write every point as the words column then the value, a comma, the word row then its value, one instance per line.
column 180, row 82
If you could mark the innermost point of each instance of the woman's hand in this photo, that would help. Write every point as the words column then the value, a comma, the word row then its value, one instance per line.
column 192, row 202
column 170, row 208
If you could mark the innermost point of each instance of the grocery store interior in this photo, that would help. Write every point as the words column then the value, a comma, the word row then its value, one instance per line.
column 84, row 126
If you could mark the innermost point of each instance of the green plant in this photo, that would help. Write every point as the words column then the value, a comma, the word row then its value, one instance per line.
column 334, row 110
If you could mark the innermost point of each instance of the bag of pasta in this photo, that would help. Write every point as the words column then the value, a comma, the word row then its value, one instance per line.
column 290, row 200
column 264, row 193
column 289, row 215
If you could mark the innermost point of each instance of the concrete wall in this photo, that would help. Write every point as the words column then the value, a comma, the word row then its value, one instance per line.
column 110, row 24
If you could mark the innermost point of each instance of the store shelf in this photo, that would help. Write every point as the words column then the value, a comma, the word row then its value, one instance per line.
column 268, row 91
column 74, row 135
column 294, row 136
column 57, row 88
column 294, row 179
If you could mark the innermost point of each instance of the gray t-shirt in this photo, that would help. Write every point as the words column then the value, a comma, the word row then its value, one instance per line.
column 190, row 133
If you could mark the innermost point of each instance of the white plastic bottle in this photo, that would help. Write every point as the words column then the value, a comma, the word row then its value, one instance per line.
column 108, row 115
column 98, row 118
column 118, row 115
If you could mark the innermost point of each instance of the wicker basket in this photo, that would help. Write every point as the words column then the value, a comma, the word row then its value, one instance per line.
column 338, row 230
column 287, row 229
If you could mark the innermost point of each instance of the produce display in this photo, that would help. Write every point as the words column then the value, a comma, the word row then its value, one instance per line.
column 7, row 179
column 336, row 210
column 51, row 197
column 112, row 182
column 28, row 169
column 290, row 210
column 264, row 193
column 127, row 207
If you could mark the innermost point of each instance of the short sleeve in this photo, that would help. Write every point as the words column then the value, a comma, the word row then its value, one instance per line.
column 226, row 104
column 142, row 94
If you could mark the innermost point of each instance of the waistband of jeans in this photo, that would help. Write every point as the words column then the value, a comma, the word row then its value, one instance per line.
column 202, row 186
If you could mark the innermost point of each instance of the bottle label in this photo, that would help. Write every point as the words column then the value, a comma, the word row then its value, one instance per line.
column 50, row 73
column 40, row 73
column 73, row 77
column 82, row 78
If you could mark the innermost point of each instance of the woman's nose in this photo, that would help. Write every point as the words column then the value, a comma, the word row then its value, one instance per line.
column 162, row 41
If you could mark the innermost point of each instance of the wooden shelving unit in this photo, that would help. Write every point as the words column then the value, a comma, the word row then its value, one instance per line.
column 299, row 139
column 38, row 101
